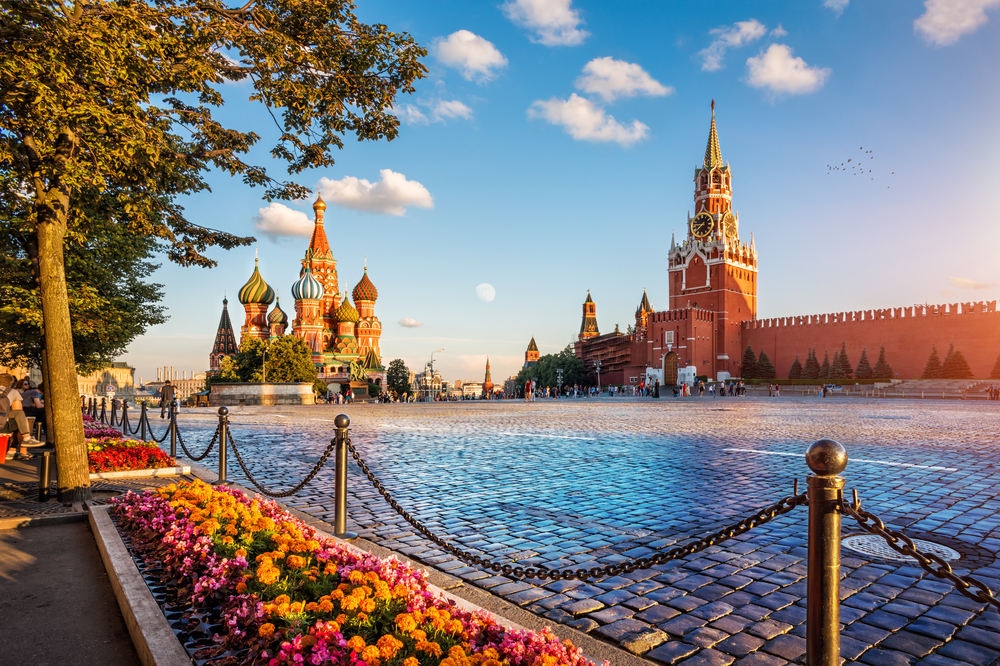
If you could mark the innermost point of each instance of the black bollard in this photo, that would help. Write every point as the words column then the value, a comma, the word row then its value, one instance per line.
column 104, row 410
column 173, row 428
column 340, row 489
column 44, row 476
column 223, row 434
column 827, row 459
column 142, row 422
column 125, row 417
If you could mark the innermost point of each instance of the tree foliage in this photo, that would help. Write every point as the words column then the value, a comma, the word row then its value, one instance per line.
column 116, row 97
column 933, row 368
column 795, row 372
column 397, row 377
column 288, row 359
column 955, row 366
column 882, row 369
column 864, row 369
column 748, row 366
column 824, row 370
column 811, row 369
column 765, row 369
column 573, row 370
column 841, row 367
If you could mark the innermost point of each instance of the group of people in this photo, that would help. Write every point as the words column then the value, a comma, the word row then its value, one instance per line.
column 19, row 399
column 993, row 391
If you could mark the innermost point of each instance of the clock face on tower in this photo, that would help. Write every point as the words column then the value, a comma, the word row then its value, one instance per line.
column 729, row 224
column 702, row 224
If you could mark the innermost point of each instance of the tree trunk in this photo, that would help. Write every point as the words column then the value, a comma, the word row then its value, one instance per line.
column 61, row 387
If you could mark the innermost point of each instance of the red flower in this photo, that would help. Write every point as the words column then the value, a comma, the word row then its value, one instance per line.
column 123, row 458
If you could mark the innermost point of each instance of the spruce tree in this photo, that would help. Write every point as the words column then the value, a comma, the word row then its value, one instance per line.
column 749, row 367
column 933, row 368
column 956, row 367
column 947, row 357
column 882, row 368
column 844, row 368
column 765, row 369
column 995, row 373
column 811, row 369
column 824, row 370
column 864, row 370
column 795, row 372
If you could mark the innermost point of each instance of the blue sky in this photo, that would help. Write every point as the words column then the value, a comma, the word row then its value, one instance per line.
column 551, row 150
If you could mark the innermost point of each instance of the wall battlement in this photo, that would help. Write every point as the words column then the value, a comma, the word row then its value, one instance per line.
column 914, row 312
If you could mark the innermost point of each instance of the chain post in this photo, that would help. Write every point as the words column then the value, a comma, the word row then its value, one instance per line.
column 124, row 417
column 340, row 489
column 173, row 428
column 142, row 421
column 827, row 459
column 223, row 427
column 104, row 410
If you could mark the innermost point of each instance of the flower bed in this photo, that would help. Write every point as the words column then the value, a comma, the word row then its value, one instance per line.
column 290, row 596
column 126, row 455
column 93, row 429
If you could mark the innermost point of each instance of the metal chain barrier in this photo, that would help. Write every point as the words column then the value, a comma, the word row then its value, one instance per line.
column 190, row 455
column 286, row 493
column 126, row 426
column 149, row 431
column 903, row 545
column 114, row 413
column 760, row 517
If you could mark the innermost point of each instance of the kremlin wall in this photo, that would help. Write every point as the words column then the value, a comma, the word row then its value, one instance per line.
column 712, row 314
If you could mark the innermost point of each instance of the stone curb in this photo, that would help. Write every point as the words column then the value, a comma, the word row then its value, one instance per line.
column 155, row 642
column 142, row 473
column 42, row 521
column 464, row 596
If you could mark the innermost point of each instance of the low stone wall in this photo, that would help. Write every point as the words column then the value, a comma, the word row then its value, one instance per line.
column 232, row 395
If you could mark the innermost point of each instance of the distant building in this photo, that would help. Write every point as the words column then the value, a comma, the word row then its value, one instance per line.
column 119, row 374
column 487, row 383
column 472, row 389
column 531, row 355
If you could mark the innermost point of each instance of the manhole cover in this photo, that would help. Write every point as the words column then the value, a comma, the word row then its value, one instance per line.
column 875, row 546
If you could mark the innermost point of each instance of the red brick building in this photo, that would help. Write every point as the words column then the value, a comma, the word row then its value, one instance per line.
column 712, row 314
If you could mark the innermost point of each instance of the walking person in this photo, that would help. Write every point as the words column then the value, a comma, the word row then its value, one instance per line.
column 166, row 397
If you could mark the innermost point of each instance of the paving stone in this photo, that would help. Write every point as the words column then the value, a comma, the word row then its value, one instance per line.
column 582, row 606
column 709, row 657
column 969, row 652
column 614, row 583
column 740, row 644
column 938, row 660
column 933, row 628
column 683, row 624
column 787, row 647
column 732, row 624
column 686, row 603
column 910, row 643
column 612, row 614
column 558, row 615
column 511, row 588
column 657, row 614
column 639, row 603
column 768, row 629
column 527, row 596
column 671, row 652
column 613, row 597
column 760, row 659
column 584, row 624
column 851, row 648
column 705, row 637
column 712, row 611
column 885, row 620
column 665, row 595
column 882, row 657
column 636, row 637
column 865, row 633
column 950, row 614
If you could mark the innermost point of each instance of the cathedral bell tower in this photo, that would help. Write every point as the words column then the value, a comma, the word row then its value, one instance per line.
column 713, row 269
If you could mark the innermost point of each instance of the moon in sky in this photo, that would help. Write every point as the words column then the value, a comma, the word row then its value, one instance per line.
column 486, row 292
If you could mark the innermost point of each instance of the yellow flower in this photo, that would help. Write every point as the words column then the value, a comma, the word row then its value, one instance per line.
column 356, row 643
column 266, row 630
column 370, row 654
column 411, row 661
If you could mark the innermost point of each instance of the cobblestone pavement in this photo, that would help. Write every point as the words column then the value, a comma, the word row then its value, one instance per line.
column 587, row 483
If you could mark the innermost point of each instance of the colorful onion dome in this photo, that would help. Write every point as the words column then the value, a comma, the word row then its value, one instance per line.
column 365, row 290
column 346, row 312
column 307, row 287
column 319, row 203
column 277, row 316
column 256, row 290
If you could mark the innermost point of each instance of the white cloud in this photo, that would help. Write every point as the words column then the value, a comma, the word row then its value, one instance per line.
column 389, row 196
column 554, row 22
column 778, row 32
column 438, row 111
column 966, row 283
column 945, row 21
column 612, row 78
column 474, row 56
column 410, row 323
column 582, row 119
column 838, row 6
column 780, row 72
column 730, row 37
column 279, row 220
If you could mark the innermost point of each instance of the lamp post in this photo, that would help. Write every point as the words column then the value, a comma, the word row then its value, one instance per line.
column 559, row 376
column 597, row 364
column 430, row 380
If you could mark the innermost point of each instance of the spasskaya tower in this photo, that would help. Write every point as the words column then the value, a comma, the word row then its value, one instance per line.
column 714, row 270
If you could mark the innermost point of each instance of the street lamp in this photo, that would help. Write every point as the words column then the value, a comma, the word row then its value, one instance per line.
column 559, row 376
column 430, row 382
column 597, row 364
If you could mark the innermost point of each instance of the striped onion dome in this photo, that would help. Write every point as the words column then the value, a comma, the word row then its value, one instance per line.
column 346, row 312
column 307, row 287
column 256, row 290
column 277, row 316
column 365, row 290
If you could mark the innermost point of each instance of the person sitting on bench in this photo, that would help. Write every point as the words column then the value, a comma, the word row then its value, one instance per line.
column 12, row 415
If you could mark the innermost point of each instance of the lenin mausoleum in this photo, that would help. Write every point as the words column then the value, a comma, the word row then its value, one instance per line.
column 712, row 314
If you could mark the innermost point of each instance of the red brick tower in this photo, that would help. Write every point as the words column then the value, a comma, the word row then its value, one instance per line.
column 488, row 382
column 642, row 317
column 225, row 340
column 713, row 270
column 588, row 327
column 320, row 262
column 531, row 355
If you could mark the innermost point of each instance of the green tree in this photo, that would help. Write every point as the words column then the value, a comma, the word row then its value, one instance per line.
column 289, row 359
column 933, row 368
column 795, row 372
column 864, row 370
column 320, row 387
column 748, row 368
column 397, row 377
column 118, row 98
column 995, row 372
column 824, row 370
column 882, row 368
column 246, row 365
column 546, row 370
column 841, row 367
column 956, row 367
column 765, row 369
column 811, row 369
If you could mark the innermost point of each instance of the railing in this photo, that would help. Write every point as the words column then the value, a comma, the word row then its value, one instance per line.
column 824, row 498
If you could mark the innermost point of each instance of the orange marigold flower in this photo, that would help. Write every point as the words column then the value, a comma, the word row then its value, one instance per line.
column 266, row 630
column 371, row 577
column 240, row 552
column 268, row 575
column 405, row 622
column 455, row 627
column 283, row 599
column 367, row 605
column 388, row 646
column 418, row 635
column 295, row 561
column 432, row 649
column 356, row 577
column 362, row 618
column 411, row 661
column 325, row 606
column 241, row 587
column 312, row 607
column 356, row 643
column 297, row 606
column 370, row 654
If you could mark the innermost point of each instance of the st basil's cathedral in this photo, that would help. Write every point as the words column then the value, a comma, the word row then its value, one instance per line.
column 343, row 338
